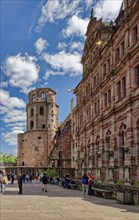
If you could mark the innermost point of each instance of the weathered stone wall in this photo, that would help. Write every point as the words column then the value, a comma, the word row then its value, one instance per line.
column 108, row 99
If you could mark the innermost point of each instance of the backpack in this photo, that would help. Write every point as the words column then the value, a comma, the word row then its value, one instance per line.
column 84, row 181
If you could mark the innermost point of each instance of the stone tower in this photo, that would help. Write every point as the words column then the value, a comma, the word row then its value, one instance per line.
column 35, row 144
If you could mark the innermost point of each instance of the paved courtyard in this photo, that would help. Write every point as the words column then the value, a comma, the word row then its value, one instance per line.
column 60, row 204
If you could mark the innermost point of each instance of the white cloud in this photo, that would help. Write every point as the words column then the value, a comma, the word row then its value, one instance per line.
column 89, row 3
column 77, row 46
column 11, row 137
column 52, row 73
column 11, row 102
column 62, row 45
column 21, row 70
column 40, row 45
column 76, row 26
column 13, row 114
column 107, row 10
column 72, row 46
column 3, row 84
column 55, row 10
column 65, row 62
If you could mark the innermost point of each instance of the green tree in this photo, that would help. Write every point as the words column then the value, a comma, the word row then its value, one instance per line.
column 8, row 158
column 51, row 172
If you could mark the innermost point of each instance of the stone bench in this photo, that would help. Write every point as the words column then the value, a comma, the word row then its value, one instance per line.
column 106, row 194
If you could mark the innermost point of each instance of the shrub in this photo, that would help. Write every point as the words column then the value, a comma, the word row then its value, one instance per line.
column 51, row 172
column 136, row 184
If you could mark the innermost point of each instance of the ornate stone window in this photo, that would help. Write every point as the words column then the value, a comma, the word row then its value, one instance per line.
column 134, row 34
column 124, row 86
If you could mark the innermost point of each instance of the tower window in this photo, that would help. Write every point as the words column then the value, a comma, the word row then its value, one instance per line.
column 43, row 96
column 31, row 124
column 43, row 126
column 36, row 148
column 31, row 112
column 33, row 98
column 41, row 111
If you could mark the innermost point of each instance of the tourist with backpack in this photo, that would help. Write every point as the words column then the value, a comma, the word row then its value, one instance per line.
column 85, row 184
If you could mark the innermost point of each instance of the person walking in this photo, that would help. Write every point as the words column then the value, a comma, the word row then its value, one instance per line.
column 4, row 181
column 90, row 183
column 45, row 182
column 20, row 182
column 85, row 184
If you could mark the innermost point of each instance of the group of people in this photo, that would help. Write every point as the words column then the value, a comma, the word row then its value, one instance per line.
column 87, row 182
column 22, row 178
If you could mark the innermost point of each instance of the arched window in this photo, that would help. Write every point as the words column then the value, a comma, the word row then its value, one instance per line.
column 31, row 112
column 41, row 110
column 43, row 96
column 23, row 163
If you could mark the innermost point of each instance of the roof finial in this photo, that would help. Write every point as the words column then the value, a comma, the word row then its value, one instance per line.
column 92, row 13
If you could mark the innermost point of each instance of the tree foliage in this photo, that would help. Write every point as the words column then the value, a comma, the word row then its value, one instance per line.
column 51, row 172
column 8, row 158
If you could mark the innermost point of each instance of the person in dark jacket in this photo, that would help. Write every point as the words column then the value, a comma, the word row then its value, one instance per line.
column 20, row 182
column 45, row 182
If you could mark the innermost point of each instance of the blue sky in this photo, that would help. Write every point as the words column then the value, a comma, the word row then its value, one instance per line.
column 48, row 33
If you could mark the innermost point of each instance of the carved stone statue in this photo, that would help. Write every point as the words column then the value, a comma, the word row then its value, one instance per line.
column 92, row 13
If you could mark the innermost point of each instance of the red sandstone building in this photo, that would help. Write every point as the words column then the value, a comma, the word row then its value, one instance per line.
column 34, row 146
column 107, row 111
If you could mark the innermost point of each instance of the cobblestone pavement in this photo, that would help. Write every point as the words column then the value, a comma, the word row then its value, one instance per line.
column 60, row 204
